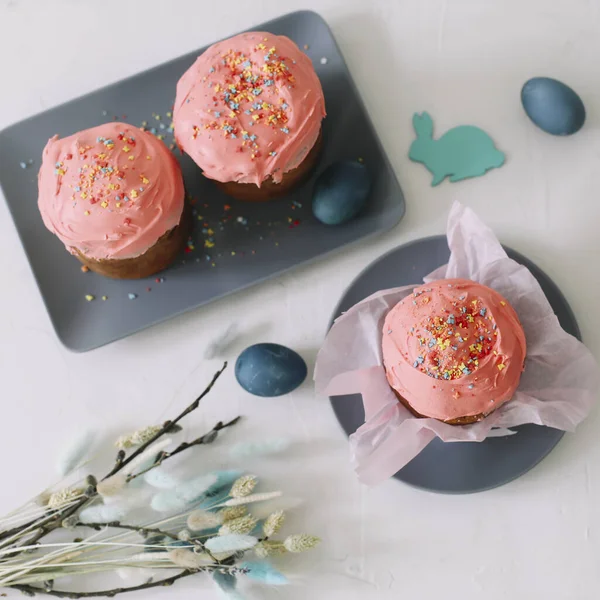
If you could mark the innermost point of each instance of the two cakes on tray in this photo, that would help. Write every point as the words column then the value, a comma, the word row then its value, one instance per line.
column 248, row 112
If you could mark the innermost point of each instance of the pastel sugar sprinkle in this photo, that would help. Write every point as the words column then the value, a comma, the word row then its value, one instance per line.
column 455, row 343
column 99, row 175
column 238, row 87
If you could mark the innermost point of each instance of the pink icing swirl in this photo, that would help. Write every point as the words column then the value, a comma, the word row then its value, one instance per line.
column 454, row 348
column 249, row 108
column 110, row 192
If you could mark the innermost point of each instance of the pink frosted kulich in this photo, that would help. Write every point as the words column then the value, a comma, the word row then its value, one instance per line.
column 453, row 348
column 110, row 192
column 249, row 108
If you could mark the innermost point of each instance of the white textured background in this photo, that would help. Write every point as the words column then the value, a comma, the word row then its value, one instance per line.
column 463, row 61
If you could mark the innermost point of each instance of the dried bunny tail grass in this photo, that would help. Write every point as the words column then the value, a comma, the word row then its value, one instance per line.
column 42, row 499
column 186, row 559
column 185, row 494
column 184, row 535
column 141, row 436
column 137, row 438
column 240, row 526
column 268, row 548
column 60, row 499
column 234, row 512
column 244, row 486
column 147, row 454
column 73, row 454
column 150, row 557
column 124, row 442
column 273, row 523
column 200, row 519
column 301, row 542
column 244, row 450
column 102, row 513
column 250, row 499
column 227, row 583
column 230, row 543
column 262, row 572
column 113, row 485
column 161, row 479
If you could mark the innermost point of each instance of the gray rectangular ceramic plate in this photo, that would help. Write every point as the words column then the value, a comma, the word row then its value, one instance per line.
column 252, row 241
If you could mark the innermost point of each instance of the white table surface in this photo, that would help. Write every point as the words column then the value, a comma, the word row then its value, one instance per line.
column 462, row 60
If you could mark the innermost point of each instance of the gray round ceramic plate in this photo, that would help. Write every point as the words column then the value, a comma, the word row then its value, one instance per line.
column 461, row 467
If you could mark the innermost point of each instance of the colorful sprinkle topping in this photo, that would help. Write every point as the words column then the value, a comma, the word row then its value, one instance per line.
column 238, row 81
column 100, row 175
column 453, row 345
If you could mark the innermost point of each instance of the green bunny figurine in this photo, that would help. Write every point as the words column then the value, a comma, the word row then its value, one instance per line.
column 464, row 151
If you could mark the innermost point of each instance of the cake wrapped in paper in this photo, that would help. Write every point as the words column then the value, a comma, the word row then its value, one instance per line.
column 472, row 352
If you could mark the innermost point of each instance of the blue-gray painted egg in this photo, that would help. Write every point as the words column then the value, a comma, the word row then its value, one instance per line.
column 553, row 106
column 341, row 191
column 270, row 370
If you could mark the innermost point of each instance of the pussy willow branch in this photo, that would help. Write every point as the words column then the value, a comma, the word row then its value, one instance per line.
column 167, row 425
column 203, row 439
column 7, row 533
column 119, row 525
column 146, row 531
column 54, row 521
column 31, row 590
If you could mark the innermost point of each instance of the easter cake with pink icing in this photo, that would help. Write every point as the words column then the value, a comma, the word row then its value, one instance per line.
column 249, row 113
column 453, row 350
column 114, row 196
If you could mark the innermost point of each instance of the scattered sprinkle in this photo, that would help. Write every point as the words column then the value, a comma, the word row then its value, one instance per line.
column 84, row 269
column 90, row 297
column 323, row 61
column 132, row 296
